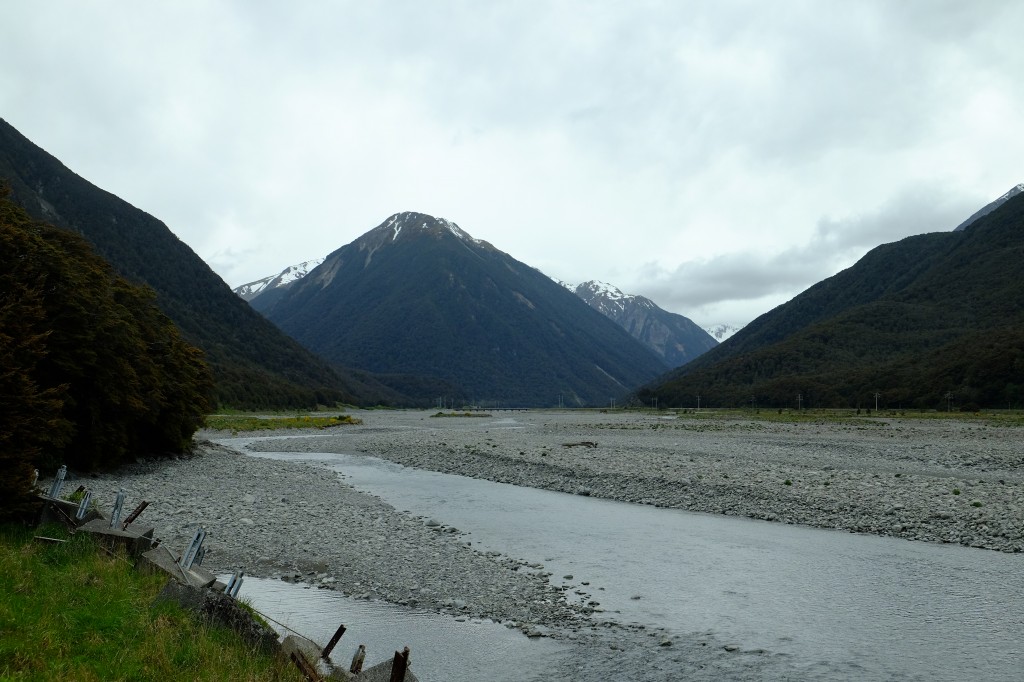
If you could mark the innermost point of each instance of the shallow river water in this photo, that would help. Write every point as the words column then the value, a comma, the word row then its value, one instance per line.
column 862, row 607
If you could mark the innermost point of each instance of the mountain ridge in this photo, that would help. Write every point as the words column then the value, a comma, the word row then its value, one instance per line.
column 672, row 336
column 912, row 320
column 988, row 208
column 675, row 338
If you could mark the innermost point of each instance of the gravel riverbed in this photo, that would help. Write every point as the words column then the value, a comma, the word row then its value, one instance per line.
column 938, row 480
column 928, row 480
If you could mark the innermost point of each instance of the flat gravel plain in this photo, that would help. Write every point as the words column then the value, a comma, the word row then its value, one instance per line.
column 932, row 480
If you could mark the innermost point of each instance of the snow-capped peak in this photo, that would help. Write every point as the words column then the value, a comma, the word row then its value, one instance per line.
column 290, row 274
column 412, row 220
column 721, row 331
column 988, row 208
column 1013, row 192
column 606, row 290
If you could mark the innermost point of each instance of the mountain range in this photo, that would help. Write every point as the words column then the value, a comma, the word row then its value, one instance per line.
column 424, row 310
column 923, row 322
column 418, row 295
column 675, row 338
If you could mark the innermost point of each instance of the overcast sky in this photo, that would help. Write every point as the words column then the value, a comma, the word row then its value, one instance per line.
column 718, row 157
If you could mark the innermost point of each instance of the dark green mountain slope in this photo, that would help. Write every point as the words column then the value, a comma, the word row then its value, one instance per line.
column 254, row 364
column 416, row 295
column 912, row 320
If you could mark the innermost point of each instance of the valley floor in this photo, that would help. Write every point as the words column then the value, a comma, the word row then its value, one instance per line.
column 929, row 480
column 939, row 480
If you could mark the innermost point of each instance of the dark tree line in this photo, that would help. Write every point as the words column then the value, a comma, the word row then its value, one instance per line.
column 91, row 372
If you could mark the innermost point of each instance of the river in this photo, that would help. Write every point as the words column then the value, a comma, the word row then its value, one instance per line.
column 841, row 604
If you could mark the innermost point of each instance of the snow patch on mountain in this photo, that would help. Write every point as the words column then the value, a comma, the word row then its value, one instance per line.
column 292, row 273
column 988, row 208
column 410, row 219
column 721, row 331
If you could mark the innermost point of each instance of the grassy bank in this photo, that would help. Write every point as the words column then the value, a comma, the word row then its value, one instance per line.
column 252, row 422
column 72, row 611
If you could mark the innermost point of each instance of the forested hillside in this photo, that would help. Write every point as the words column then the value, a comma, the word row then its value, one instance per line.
column 929, row 321
column 254, row 364
column 91, row 372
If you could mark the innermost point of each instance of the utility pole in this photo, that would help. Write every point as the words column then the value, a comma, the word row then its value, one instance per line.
column 799, row 401
column 949, row 401
column 698, row 402
column 876, row 400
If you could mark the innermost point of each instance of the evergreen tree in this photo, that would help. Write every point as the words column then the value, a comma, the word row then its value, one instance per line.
column 91, row 372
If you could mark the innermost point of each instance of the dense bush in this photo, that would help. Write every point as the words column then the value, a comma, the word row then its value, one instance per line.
column 91, row 372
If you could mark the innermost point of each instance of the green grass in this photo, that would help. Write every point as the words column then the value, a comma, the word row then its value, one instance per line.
column 73, row 612
column 251, row 422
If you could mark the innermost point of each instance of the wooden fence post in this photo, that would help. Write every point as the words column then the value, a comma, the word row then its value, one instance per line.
column 399, row 666
column 326, row 654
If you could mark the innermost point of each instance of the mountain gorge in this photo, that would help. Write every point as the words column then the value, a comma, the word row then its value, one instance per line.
column 675, row 338
column 924, row 322
column 419, row 296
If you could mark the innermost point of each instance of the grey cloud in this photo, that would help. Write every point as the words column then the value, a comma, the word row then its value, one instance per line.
column 835, row 244
column 913, row 211
column 735, row 277
column 242, row 121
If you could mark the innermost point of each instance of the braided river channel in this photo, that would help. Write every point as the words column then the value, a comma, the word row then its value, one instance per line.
column 838, row 605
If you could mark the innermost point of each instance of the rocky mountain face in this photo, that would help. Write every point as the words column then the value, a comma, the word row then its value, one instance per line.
column 676, row 339
column 930, row 321
column 254, row 364
column 418, row 295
